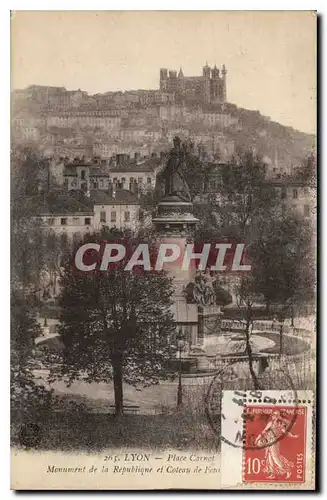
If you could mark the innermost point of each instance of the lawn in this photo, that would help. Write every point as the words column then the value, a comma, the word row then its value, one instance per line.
column 291, row 345
column 96, row 432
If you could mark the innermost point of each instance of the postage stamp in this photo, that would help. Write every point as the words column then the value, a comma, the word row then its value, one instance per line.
column 280, row 453
column 269, row 439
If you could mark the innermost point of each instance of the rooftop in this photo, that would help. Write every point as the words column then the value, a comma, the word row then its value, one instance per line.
column 288, row 181
column 97, row 171
column 59, row 202
column 122, row 197
column 148, row 165
column 44, row 87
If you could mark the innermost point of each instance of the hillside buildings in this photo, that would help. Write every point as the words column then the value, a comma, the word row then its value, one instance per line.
column 72, row 123
column 112, row 142
column 76, row 216
column 84, row 196
column 137, row 174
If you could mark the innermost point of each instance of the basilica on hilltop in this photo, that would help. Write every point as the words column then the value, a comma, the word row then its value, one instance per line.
column 208, row 88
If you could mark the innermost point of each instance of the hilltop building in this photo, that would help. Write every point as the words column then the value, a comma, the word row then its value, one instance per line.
column 209, row 88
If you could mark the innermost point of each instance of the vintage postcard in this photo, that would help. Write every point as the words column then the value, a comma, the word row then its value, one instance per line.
column 163, row 243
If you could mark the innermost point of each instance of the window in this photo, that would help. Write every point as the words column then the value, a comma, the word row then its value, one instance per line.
column 149, row 180
column 141, row 216
column 113, row 216
column 140, row 180
column 102, row 216
column 127, row 216
column 83, row 174
column 295, row 194
column 213, row 185
column 306, row 210
column 76, row 221
column 123, row 179
column 87, row 221
column 283, row 193
column 51, row 221
column 63, row 221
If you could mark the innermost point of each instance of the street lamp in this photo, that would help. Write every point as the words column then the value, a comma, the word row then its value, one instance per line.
column 180, row 347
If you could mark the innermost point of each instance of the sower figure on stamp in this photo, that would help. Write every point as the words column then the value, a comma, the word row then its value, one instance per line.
column 276, row 463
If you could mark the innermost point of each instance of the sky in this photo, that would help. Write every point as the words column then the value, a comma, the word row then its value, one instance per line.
column 270, row 56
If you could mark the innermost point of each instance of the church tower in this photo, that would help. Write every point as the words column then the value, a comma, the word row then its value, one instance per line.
column 224, row 86
column 215, row 85
column 181, row 82
column 163, row 80
column 207, row 82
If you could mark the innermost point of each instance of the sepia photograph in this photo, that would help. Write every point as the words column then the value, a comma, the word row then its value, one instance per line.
column 163, row 205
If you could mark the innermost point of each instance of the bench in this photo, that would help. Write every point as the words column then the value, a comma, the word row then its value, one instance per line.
column 127, row 409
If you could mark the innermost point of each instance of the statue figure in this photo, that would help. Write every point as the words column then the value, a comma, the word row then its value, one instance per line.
column 206, row 291
column 203, row 292
column 175, row 183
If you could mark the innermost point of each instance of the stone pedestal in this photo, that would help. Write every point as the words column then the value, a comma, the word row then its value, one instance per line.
column 209, row 323
column 175, row 218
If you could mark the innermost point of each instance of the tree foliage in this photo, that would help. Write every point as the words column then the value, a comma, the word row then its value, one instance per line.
column 283, row 261
column 116, row 325
column 246, row 295
column 29, row 400
column 246, row 195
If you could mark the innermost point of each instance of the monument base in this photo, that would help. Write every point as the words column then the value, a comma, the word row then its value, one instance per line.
column 209, row 323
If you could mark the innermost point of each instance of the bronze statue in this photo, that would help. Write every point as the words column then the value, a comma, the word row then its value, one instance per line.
column 201, row 291
column 174, row 180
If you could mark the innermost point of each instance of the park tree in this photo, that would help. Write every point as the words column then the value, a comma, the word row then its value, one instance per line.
column 245, row 292
column 24, row 328
column 278, row 242
column 282, row 259
column 27, row 257
column 307, row 172
column 116, row 324
column 242, row 198
column 195, row 171
column 26, row 268
column 27, row 260
column 30, row 401
column 56, row 248
column 247, row 196
column 29, row 177
column 36, row 252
